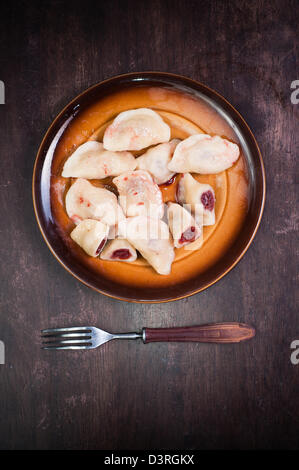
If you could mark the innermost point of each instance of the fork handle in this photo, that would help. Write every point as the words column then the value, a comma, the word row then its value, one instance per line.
column 211, row 333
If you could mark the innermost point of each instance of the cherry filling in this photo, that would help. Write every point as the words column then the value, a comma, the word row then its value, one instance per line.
column 169, row 182
column 188, row 235
column 122, row 253
column 101, row 246
column 208, row 200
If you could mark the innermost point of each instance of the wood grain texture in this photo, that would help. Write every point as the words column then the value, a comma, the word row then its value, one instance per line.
column 127, row 395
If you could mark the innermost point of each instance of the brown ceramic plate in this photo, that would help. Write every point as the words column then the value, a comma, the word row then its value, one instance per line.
column 188, row 107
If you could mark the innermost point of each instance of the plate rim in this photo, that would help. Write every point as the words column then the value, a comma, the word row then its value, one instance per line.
column 143, row 75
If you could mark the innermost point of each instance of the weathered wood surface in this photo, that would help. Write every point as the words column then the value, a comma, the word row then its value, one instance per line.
column 128, row 395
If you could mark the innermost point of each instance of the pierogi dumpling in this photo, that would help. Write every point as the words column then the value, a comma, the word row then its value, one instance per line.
column 85, row 201
column 197, row 244
column 119, row 250
column 139, row 195
column 201, row 153
column 152, row 239
column 200, row 197
column 91, row 235
column 182, row 225
column 156, row 160
column 136, row 129
column 90, row 160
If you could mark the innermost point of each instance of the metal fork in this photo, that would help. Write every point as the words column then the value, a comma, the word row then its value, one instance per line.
column 90, row 337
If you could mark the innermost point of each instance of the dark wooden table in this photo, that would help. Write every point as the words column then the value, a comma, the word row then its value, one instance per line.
column 127, row 395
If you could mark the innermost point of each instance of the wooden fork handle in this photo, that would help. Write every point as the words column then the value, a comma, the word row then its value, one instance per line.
column 211, row 333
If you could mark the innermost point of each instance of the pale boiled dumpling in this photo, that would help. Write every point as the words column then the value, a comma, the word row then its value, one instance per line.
column 152, row 239
column 182, row 225
column 197, row 244
column 156, row 160
column 201, row 153
column 200, row 197
column 119, row 250
column 90, row 160
column 136, row 129
column 85, row 201
column 139, row 195
column 91, row 235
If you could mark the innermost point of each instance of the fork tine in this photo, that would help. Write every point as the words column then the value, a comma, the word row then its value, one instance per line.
column 67, row 335
column 66, row 347
column 73, row 328
column 69, row 341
